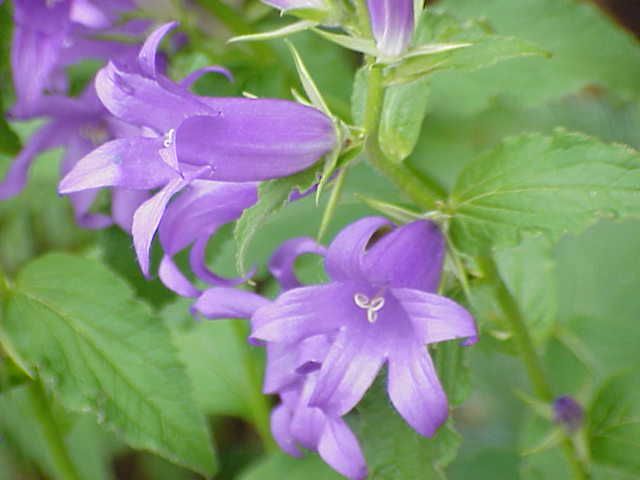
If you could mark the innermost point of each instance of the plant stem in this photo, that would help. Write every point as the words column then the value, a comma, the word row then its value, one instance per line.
column 64, row 469
column 529, row 356
column 426, row 196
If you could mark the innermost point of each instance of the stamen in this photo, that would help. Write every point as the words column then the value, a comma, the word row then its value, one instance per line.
column 169, row 138
column 372, row 306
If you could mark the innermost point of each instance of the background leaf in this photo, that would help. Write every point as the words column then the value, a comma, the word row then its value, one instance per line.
column 101, row 352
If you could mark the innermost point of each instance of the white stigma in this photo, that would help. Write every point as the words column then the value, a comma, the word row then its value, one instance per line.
column 372, row 306
column 169, row 138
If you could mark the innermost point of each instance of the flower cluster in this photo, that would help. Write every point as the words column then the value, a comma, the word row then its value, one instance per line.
column 327, row 343
column 183, row 165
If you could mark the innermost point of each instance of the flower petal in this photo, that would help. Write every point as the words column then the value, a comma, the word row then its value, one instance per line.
column 435, row 318
column 147, row 218
column 415, row 390
column 392, row 22
column 173, row 278
column 131, row 163
column 147, row 55
column 255, row 139
column 193, row 77
column 280, row 422
column 344, row 256
column 124, row 203
column 282, row 262
column 142, row 101
column 354, row 360
column 411, row 256
column 302, row 312
column 222, row 302
column 339, row 447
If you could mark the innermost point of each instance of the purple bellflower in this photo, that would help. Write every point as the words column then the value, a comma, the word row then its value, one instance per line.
column 189, row 137
column 292, row 372
column 50, row 35
column 379, row 308
column 392, row 22
column 568, row 413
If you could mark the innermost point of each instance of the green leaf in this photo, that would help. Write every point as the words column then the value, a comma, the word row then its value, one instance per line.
column 402, row 115
column 614, row 424
column 101, row 352
column 9, row 141
column 359, row 95
column 279, row 466
column 444, row 43
column 273, row 195
column 394, row 451
column 278, row 33
column 227, row 379
column 573, row 31
column 535, row 184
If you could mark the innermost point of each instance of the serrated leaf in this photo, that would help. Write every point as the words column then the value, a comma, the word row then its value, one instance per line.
column 393, row 450
column 403, row 112
column 101, row 352
column 272, row 196
column 536, row 184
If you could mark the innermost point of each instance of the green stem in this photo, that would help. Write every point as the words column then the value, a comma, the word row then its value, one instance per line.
column 424, row 195
column 260, row 407
column 529, row 356
column 64, row 469
column 330, row 209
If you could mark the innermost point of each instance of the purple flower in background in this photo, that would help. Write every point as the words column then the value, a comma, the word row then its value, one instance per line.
column 200, row 210
column 51, row 35
column 392, row 22
column 379, row 308
column 190, row 137
column 78, row 125
column 568, row 413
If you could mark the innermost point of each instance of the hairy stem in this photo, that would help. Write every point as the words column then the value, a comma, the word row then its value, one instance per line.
column 64, row 469
column 426, row 196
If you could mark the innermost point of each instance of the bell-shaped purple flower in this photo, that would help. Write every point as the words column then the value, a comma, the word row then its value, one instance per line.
column 379, row 308
column 392, row 23
column 190, row 137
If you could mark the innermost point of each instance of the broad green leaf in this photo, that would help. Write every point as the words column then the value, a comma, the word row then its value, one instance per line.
column 227, row 379
column 402, row 114
column 394, row 451
column 573, row 31
column 535, row 184
column 614, row 424
column 464, row 46
column 273, row 195
column 279, row 466
column 102, row 353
